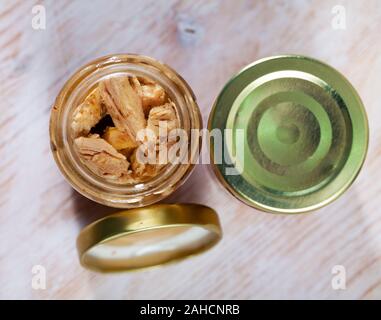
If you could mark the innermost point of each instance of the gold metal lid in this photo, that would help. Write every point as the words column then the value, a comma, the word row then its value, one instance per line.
column 149, row 236
column 298, row 134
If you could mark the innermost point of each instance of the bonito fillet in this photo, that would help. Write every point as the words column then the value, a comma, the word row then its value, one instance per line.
column 123, row 104
column 101, row 157
column 87, row 114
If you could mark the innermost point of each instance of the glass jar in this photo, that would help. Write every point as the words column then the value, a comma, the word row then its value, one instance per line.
column 74, row 92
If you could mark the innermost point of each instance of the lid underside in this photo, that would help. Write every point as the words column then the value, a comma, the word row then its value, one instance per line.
column 147, row 237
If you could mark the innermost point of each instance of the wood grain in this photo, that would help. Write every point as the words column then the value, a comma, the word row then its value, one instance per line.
column 261, row 255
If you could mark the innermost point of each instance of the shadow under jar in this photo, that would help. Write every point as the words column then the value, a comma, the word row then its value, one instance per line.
column 100, row 189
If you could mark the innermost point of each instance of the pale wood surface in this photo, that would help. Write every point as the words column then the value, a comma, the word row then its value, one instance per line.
column 261, row 255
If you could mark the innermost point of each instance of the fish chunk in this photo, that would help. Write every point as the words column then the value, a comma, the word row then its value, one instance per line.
column 123, row 104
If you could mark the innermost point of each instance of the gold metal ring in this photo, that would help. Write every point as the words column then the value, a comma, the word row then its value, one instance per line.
column 146, row 237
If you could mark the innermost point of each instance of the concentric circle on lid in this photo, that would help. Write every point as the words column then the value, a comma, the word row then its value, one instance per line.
column 295, row 134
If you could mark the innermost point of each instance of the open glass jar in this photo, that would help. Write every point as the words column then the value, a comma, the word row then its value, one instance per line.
column 78, row 87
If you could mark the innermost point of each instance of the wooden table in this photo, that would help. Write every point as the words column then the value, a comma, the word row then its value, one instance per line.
column 261, row 255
